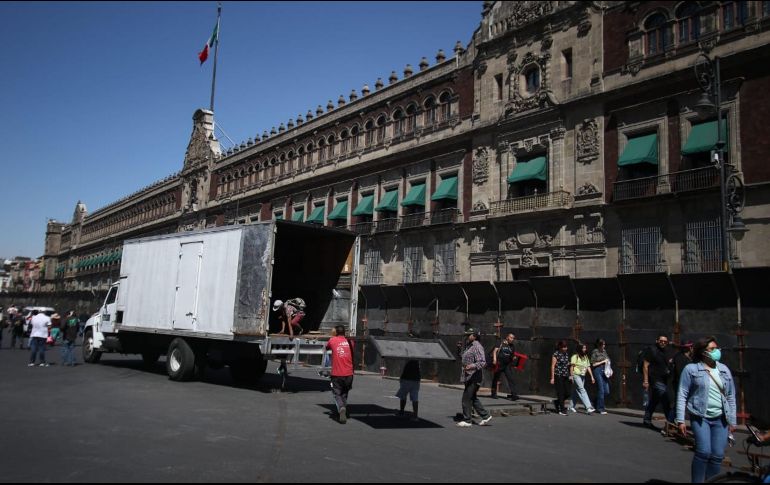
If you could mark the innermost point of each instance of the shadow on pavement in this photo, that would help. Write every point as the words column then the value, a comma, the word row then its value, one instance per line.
column 379, row 417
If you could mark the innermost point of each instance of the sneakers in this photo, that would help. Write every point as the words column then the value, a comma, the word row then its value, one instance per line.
column 590, row 411
column 343, row 415
column 602, row 412
column 572, row 410
column 513, row 397
column 485, row 421
column 464, row 424
column 562, row 413
column 30, row 365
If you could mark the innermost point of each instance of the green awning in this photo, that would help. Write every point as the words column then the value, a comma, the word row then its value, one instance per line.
column 279, row 217
column 532, row 169
column 642, row 149
column 447, row 189
column 416, row 196
column 365, row 207
column 703, row 137
column 340, row 211
column 317, row 215
column 298, row 216
column 389, row 202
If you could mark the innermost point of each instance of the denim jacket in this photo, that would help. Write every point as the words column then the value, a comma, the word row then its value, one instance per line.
column 694, row 388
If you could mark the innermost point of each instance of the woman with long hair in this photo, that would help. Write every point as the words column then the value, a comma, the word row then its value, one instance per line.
column 600, row 362
column 707, row 391
column 560, row 375
column 579, row 366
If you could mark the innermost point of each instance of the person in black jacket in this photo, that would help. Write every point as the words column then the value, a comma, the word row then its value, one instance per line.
column 409, row 384
column 502, row 358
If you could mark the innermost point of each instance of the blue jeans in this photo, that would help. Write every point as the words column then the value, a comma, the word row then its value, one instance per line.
column 580, row 391
column 658, row 394
column 710, row 443
column 602, row 386
column 68, row 353
column 37, row 345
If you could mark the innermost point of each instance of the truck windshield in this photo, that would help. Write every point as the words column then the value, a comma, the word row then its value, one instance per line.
column 111, row 296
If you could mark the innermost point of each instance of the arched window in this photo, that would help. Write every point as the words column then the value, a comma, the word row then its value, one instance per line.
column 309, row 155
column 354, row 131
column 398, row 127
column 344, row 142
column 657, row 34
column 429, row 105
column 688, row 22
column 321, row 150
column 381, row 122
column 301, row 157
column 445, row 106
column 734, row 14
column 330, row 142
column 369, row 133
column 409, row 121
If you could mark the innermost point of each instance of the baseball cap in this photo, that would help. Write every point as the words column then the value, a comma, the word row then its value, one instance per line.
column 471, row 331
column 277, row 304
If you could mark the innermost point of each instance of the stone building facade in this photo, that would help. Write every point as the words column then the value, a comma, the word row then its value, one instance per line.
column 502, row 186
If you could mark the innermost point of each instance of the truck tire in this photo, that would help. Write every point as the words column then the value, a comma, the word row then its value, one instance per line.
column 248, row 371
column 180, row 361
column 90, row 354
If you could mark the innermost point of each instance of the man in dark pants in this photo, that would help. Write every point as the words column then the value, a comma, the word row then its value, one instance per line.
column 473, row 361
column 342, row 370
column 502, row 358
column 656, row 373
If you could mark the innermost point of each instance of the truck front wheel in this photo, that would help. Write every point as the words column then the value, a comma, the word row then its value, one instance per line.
column 180, row 361
column 90, row 354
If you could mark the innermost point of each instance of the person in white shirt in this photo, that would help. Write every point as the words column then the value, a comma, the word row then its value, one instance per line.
column 40, row 325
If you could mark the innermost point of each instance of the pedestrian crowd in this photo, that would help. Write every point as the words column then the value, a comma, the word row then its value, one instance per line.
column 41, row 331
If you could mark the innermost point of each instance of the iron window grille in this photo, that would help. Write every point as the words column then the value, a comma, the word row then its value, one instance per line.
column 444, row 263
column 372, row 261
column 413, row 264
column 641, row 250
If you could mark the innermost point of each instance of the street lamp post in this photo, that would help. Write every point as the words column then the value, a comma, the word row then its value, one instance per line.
column 707, row 72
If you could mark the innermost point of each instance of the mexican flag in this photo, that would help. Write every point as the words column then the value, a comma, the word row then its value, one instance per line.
column 204, row 54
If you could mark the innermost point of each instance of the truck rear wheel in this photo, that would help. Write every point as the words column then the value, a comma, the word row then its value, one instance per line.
column 180, row 361
column 90, row 354
column 248, row 371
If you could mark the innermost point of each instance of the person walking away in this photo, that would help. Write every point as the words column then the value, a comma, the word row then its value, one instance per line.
column 409, row 385
column 17, row 331
column 70, row 335
column 600, row 363
column 560, row 372
column 707, row 391
column 656, row 373
column 342, row 370
column 502, row 358
column 682, row 359
column 473, row 362
column 579, row 366
column 40, row 325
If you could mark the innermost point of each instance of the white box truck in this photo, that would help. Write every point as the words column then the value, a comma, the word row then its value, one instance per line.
column 204, row 298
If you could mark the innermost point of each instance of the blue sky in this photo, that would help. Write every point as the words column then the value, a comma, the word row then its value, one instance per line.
column 97, row 98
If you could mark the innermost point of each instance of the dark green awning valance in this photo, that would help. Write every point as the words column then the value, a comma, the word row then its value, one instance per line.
column 416, row 196
column 317, row 215
column 641, row 149
column 365, row 207
column 389, row 202
column 532, row 169
column 447, row 189
column 703, row 137
column 298, row 216
column 340, row 211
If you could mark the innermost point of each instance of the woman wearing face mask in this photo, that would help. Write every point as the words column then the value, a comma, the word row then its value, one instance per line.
column 707, row 391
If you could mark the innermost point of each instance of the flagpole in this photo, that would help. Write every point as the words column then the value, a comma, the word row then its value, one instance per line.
column 216, row 50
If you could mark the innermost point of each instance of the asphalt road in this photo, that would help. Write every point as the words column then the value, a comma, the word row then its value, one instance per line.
column 116, row 421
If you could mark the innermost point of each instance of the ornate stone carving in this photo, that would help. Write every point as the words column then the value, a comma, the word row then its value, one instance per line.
column 199, row 150
column 523, row 13
column 509, row 244
column 479, row 206
column 480, row 165
column 587, row 141
column 633, row 67
column 540, row 97
column 587, row 189
column 528, row 259
column 478, row 243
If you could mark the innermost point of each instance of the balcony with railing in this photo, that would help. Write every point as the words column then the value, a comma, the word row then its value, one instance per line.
column 675, row 182
column 444, row 216
column 362, row 228
column 413, row 220
column 537, row 202
column 386, row 225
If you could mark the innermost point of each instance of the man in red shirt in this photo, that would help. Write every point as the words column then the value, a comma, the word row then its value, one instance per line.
column 342, row 370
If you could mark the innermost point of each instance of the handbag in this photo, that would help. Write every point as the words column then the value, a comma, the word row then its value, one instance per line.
column 607, row 369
